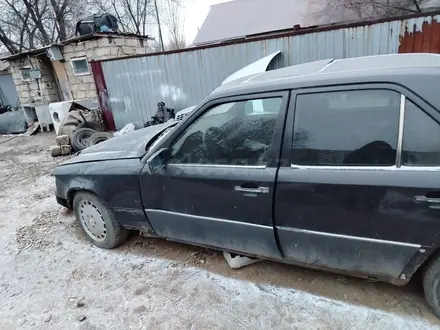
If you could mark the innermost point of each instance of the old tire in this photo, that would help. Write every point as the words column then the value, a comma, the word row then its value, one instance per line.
column 92, row 125
column 79, row 138
column 431, row 284
column 98, row 138
column 97, row 221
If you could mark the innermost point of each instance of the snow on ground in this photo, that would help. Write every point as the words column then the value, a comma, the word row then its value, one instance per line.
column 51, row 278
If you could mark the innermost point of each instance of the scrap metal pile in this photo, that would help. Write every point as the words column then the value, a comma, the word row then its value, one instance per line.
column 82, row 127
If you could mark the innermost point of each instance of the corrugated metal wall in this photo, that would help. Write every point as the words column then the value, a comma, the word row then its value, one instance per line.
column 136, row 85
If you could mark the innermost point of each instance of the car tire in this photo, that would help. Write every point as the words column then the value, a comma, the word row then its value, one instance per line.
column 431, row 284
column 79, row 138
column 98, row 138
column 92, row 125
column 97, row 221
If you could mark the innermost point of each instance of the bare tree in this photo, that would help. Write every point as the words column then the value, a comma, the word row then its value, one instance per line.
column 26, row 24
column 174, row 24
column 330, row 11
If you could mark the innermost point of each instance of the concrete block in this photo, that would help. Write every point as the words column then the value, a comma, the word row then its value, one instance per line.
column 68, row 57
column 83, row 87
column 63, row 140
column 55, row 151
column 87, row 79
column 126, row 51
column 67, row 49
column 91, row 94
column 132, row 42
column 90, row 53
column 114, row 51
column 103, row 42
column 102, row 52
column 66, row 149
column 91, row 44
column 79, row 95
column 119, row 41
column 79, row 47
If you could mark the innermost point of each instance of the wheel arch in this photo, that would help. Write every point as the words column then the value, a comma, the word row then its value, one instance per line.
column 418, row 263
column 73, row 191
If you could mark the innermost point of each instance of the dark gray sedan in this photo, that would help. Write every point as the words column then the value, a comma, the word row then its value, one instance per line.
column 332, row 164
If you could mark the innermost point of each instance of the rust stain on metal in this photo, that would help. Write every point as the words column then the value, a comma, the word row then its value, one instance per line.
column 425, row 40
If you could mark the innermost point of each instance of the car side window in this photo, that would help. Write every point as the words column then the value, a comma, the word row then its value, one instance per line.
column 346, row 128
column 421, row 138
column 234, row 133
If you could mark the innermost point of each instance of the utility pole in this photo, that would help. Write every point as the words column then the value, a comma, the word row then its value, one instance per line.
column 158, row 24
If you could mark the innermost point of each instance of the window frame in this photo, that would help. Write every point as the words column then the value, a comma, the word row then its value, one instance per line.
column 77, row 59
column 274, row 153
column 404, row 94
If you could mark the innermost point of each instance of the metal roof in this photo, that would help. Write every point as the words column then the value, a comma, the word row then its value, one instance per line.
column 330, row 71
column 80, row 38
column 240, row 18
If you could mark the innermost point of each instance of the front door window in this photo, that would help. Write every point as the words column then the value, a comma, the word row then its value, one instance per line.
column 235, row 133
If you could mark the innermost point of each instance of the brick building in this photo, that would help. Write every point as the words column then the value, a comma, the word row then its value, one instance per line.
column 62, row 71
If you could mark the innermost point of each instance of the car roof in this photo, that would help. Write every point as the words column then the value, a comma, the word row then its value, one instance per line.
column 410, row 70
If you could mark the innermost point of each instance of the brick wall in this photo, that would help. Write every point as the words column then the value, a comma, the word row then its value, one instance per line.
column 42, row 90
column 83, row 86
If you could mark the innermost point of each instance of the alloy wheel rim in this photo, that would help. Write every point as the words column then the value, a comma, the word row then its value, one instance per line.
column 92, row 221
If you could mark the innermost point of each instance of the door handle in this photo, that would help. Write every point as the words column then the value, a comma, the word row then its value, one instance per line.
column 433, row 203
column 258, row 190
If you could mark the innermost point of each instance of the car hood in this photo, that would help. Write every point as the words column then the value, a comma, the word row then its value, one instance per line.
column 130, row 145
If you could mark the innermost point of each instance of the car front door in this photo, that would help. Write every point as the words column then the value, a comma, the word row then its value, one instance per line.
column 218, row 184
column 358, row 189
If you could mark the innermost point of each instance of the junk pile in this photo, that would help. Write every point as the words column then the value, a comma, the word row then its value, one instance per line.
column 11, row 121
column 97, row 23
column 163, row 114
column 82, row 127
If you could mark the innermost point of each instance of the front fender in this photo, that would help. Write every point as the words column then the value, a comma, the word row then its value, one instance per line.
column 115, row 181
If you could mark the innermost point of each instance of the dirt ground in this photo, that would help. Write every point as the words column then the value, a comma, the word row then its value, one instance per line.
column 51, row 278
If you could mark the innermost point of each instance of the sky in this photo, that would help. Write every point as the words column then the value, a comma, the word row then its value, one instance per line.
column 194, row 13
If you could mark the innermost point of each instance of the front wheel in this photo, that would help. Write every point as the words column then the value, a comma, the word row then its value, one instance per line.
column 431, row 284
column 98, row 221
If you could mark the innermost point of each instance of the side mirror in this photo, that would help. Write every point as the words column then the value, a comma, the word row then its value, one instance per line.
column 158, row 161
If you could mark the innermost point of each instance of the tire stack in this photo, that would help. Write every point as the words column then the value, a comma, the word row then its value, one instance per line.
column 88, row 134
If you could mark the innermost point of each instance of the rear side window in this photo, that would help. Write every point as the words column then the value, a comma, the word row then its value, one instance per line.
column 421, row 138
column 346, row 128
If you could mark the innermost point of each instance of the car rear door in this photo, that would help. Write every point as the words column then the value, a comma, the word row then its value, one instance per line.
column 360, row 186
column 217, row 188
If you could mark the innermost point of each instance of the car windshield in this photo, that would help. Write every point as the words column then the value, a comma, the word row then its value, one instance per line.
column 159, row 137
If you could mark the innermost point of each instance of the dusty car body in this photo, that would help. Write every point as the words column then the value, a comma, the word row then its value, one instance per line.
column 331, row 164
